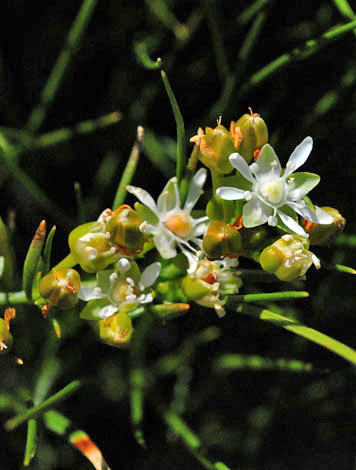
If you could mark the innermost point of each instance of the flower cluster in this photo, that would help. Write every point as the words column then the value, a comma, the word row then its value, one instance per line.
column 257, row 210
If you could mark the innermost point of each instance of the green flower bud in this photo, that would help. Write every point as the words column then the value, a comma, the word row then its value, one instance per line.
column 253, row 238
column 254, row 134
column 124, row 229
column 209, row 282
column 288, row 257
column 215, row 148
column 325, row 234
column 115, row 330
column 90, row 245
column 6, row 339
column 222, row 240
column 60, row 287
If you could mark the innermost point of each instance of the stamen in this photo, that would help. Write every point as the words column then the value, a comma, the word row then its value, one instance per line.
column 254, row 168
column 142, row 228
column 272, row 221
column 113, row 277
column 274, row 164
column 287, row 237
column 247, row 195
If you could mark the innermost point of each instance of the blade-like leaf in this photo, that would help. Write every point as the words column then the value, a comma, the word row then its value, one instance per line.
column 32, row 259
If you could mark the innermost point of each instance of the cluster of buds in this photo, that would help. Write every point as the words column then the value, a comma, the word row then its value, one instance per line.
column 97, row 245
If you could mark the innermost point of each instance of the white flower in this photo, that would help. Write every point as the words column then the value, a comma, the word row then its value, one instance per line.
column 270, row 191
column 170, row 225
column 119, row 292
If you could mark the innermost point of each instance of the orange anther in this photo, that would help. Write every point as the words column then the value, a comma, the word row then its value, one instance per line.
column 71, row 288
column 252, row 113
column 308, row 225
column 256, row 153
column 123, row 206
column 45, row 310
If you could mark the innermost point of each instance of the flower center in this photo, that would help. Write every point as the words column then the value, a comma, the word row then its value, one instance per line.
column 180, row 225
column 123, row 291
column 273, row 191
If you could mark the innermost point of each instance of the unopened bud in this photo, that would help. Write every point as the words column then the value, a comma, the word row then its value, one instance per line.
column 222, row 240
column 215, row 148
column 92, row 248
column 254, row 134
column 6, row 339
column 124, row 229
column 60, row 288
column 325, row 234
column 116, row 330
column 288, row 257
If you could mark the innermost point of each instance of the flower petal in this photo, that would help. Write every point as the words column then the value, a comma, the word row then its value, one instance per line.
column 169, row 197
column 229, row 193
column 300, row 154
column 107, row 311
column 192, row 259
column 291, row 224
column 268, row 162
column 195, row 189
column 87, row 293
column 144, row 197
column 301, row 185
column 149, row 275
column 239, row 163
column 165, row 244
column 318, row 216
column 255, row 213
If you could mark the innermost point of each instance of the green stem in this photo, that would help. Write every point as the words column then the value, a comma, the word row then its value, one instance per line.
column 49, row 91
column 188, row 174
column 86, row 127
column 246, row 15
column 68, row 262
column 265, row 297
column 129, row 169
column 39, row 409
column 80, row 203
column 31, row 442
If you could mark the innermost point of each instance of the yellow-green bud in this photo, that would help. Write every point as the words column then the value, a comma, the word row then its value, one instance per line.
column 60, row 287
column 254, row 134
column 325, row 234
column 115, row 330
column 288, row 257
column 215, row 148
column 123, row 227
column 222, row 240
column 92, row 247
column 195, row 289
column 6, row 339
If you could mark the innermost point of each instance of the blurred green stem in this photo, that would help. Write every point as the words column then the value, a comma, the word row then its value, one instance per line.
column 56, row 76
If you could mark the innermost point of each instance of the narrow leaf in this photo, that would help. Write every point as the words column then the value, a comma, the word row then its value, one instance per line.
column 180, row 163
column 32, row 259
column 48, row 250
column 299, row 329
column 169, row 311
column 141, row 51
column 6, row 253
column 31, row 442
column 266, row 297
column 39, row 409
column 231, row 362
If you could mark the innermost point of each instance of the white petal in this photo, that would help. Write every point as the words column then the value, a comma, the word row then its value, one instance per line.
column 192, row 259
column 195, row 189
column 291, row 224
column 300, row 154
column 107, row 311
column 169, row 197
column 230, row 194
column 238, row 162
column 165, row 244
column 200, row 225
column 255, row 213
column 87, row 293
column 319, row 216
column 144, row 197
column 145, row 299
column 149, row 275
column 268, row 162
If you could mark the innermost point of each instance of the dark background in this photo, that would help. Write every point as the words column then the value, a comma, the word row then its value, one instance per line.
column 249, row 419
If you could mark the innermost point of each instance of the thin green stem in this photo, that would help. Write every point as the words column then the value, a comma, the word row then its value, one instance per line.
column 129, row 169
column 232, row 362
column 299, row 53
column 59, row 136
column 266, row 297
column 80, row 203
column 167, row 17
column 39, row 409
column 141, row 51
column 188, row 174
column 248, row 13
column 180, row 127
column 56, row 76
